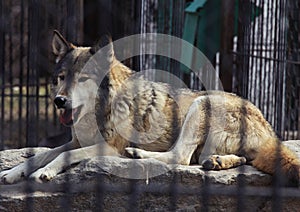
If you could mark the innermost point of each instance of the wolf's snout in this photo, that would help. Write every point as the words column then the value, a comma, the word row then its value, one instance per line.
column 60, row 101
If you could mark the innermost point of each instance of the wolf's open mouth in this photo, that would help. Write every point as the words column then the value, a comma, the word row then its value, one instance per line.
column 68, row 116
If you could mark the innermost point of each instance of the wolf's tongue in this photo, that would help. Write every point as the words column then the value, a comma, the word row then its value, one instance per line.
column 66, row 117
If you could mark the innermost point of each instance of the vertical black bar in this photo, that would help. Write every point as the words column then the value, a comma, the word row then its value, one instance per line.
column 91, row 16
column 71, row 20
column 252, row 46
column 36, row 72
column 244, row 32
column 70, row 23
column 100, row 193
column 21, row 75
column 239, row 46
column 241, row 178
column 2, row 68
column 10, row 72
column 136, row 29
column 249, row 47
column 261, row 69
column 276, row 65
column 269, row 44
column 170, row 24
column 46, row 101
column 266, row 66
column 276, row 196
column 178, row 21
column 28, row 74
column 29, row 10
column 293, row 7
column 104, row 23
column 227, row 33
column 133, row 196
column 283, row 67
column 30, row 79
column 49, row 19
column 205, row 194
column 279, row 97
column 75, row 20
column 57, row 26
column 32, row 76
column 29, row 202
column 173, row 192
column 258, row 61
column 242, row 59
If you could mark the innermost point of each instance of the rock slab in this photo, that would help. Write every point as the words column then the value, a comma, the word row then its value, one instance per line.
column 121, row 184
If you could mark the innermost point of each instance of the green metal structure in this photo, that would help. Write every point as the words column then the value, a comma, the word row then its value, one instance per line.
column 202, row 26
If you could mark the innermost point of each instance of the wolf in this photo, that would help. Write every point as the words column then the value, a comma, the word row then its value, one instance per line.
column 138, row 118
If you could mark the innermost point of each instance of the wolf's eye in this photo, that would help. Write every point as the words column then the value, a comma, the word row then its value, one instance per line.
column 54, row 81
column 83, row 79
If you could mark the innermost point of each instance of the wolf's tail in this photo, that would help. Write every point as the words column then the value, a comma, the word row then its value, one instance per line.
column 273, row 157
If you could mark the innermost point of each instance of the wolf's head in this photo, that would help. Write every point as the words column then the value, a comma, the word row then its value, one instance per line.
column 77, row 76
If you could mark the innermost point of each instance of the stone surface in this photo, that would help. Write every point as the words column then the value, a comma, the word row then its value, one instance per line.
column 118, row 184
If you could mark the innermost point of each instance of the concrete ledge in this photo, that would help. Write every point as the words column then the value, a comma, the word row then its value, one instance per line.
column 178, row 187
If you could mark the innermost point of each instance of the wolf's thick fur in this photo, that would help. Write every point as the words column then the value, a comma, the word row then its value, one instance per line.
column 173, row 126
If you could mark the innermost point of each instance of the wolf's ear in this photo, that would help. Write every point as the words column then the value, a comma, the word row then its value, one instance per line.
column 108, row 51
column 60, row 46
column 103, row 57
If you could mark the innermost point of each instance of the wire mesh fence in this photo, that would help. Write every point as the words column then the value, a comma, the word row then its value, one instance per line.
column 266, row 61
column 265, row 70
column 25, row 103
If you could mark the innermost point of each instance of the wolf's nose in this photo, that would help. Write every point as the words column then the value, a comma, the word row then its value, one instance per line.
column 60, row 101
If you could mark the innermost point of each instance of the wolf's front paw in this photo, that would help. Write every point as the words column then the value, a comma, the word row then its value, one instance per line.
column 136, row 153
column 13, row 175
column 42, row 175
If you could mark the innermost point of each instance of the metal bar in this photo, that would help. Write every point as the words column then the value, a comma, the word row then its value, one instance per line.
column 71, row 20
column 10, row 69
column 134, row 193
column 173, row 192
column 32, row 77
column 276, row 195
column 27, row 75
column 280, row 98
column 267, row 75
column 266, row 66
column 36, row 68
column 100, row 186
column 29, row 130
column 70, row 7
column 227, row 34
column 252, row 33
column 276, row 64
column 283, row 29
column 260, row 71
column 2, row 67
column 21, row 67
column 205, row 192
